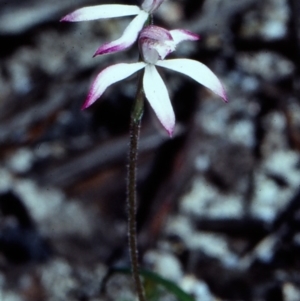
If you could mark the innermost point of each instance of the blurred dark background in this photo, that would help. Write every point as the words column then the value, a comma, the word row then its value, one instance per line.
column 219, row 203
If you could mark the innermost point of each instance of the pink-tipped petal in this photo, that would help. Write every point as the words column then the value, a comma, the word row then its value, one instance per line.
column 158, row 97
column 101, row 12
column 198, row 71
column 180, row 35
column 128, row 38
column 109, row 76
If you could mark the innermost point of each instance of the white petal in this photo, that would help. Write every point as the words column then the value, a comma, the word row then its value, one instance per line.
column 101, row 12
column 180, row 35
column 158, row 97
column 129, row 36
column 198, row 71
column 109, row 76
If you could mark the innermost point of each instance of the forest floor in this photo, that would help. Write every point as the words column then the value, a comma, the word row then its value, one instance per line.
column 219, row 203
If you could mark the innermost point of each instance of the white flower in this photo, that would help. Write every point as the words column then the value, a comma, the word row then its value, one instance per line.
column 155, row 43
column 117, row 10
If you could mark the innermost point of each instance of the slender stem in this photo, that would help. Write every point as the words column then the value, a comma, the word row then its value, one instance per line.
column 135, row 123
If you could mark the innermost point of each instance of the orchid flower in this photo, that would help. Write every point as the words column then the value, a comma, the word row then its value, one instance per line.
column 117, row 10
column 155, row 44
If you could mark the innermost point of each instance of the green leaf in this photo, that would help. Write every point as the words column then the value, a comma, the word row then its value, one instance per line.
column 170, row 286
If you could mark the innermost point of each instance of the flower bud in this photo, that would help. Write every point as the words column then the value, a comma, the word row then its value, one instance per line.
column 155, row 44
column 151, row 5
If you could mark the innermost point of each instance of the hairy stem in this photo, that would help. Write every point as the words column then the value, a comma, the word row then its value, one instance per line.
column 135, row 123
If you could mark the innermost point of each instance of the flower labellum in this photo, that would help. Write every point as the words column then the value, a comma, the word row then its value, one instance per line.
column 155, row 44
column 116, row 10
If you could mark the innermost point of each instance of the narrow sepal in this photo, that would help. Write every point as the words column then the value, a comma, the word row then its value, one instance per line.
column 109, row 76
column 197, row 71
column 158, row 97
column 101, row 12
column 180, row 35
column 128, row 38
